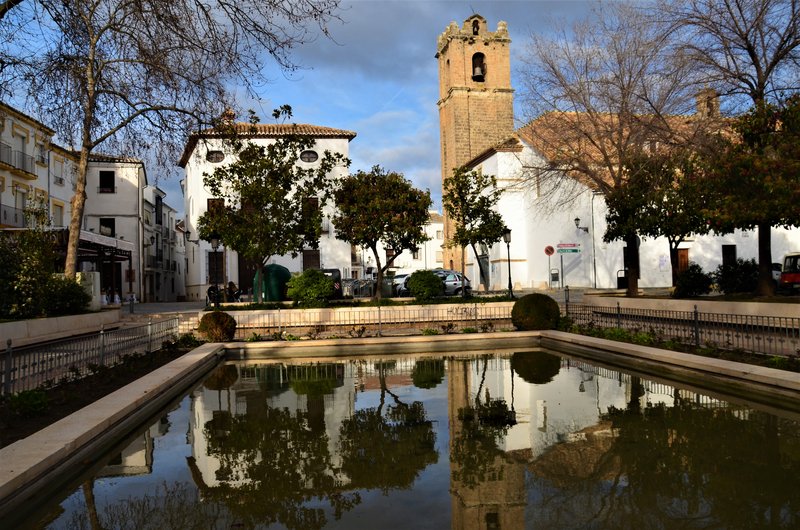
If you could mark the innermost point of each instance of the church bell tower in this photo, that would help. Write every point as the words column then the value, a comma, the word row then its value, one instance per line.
column 476, row 101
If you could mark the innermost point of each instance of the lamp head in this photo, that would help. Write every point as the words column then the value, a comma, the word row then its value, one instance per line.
column 507, row 235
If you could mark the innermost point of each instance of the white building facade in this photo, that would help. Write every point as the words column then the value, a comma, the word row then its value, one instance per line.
column 34, row 172
column 205, row 152
column 549, row 250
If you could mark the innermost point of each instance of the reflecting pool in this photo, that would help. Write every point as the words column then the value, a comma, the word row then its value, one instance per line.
column 523, row 440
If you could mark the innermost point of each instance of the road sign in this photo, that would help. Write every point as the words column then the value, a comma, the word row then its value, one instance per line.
column 568, row 245
column 568, row 250
column 549, row 250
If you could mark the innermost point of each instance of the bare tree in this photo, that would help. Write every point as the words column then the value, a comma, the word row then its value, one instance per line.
column 748, row 49
column 598, row 92
column 137, row 75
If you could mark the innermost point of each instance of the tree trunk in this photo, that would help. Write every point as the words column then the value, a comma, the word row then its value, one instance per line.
column 481, row 271
column 766, row 286
column 632, row 242
column 76, row 220
column 379, row 280
column 673, row 261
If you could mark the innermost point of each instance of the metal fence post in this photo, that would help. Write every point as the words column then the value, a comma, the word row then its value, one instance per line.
column 280, row 322
column 379, row 321
column 696, row 328
column 102, row 344
column 149, row 335
column 130, row 302
column 619, row 316
column 566, row 300
column 8, row 366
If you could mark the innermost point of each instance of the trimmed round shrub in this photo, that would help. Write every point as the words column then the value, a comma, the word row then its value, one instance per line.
column 223, row 377
column 428, row 373
column 310, row 289
column 217, row 326
column 535, row 311
column 692, row 282
column 536, row 367
column 425, row 286
column 738, row 277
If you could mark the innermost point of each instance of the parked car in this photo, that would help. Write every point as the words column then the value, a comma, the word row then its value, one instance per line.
column 453, row 283
column 790, row 274
column 399, row 285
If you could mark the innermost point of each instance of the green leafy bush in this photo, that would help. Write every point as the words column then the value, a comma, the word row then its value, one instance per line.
column 692, row 282
column 311, row 288
column 66, row 297
column 535, row 311
column 217, row 326
column 738, row 277
column 28, row 403
column 425, row 286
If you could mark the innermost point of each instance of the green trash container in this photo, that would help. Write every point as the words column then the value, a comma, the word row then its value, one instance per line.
column 271, row 282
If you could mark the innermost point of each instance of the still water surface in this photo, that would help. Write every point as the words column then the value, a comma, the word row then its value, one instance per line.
column 529, row 440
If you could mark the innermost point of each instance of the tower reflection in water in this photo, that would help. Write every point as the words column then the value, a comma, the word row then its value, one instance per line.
column 521, row 440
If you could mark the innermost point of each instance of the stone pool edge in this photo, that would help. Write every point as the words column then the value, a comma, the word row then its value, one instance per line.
column 78, row 437
column 762, row 383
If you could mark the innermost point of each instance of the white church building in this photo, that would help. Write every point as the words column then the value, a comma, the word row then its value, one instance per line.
column 551, row 245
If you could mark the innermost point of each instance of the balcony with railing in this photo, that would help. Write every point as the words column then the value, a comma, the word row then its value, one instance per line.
column 12, row 217
column 21, row 164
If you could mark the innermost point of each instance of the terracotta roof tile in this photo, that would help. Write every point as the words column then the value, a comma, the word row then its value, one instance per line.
column 264, row 130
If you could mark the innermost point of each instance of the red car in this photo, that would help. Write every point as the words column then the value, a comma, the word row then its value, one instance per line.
column 790, row 274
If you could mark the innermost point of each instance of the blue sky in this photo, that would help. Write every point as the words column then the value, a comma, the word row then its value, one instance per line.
column 378, row 76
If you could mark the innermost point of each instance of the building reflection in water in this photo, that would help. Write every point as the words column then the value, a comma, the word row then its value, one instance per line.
column 534, row 440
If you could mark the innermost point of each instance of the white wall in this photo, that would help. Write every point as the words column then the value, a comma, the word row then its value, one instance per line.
column 334, row 254
column 538, row 222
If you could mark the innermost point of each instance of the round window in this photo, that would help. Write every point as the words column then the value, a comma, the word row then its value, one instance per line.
column 309, row 156
column 215, row 156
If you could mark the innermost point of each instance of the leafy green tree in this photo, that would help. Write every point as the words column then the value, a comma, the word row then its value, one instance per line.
column 381, row 206
column 470, row 199
column 662, row 196
column 754, row 178
column 271, row 206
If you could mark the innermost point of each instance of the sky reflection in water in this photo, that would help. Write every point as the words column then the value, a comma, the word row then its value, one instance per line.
column 446, row 442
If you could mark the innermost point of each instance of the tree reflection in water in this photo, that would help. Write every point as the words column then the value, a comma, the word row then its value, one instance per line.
column 684, row 466
column 276, row 462
column 387, row 450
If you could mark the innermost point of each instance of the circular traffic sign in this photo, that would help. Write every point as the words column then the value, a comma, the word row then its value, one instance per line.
column 549, row 250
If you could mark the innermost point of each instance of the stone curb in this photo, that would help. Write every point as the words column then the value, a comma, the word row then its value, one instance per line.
column 78, row 438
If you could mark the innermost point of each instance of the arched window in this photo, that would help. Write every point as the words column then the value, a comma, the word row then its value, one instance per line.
column 475, row 27
column 478, row 67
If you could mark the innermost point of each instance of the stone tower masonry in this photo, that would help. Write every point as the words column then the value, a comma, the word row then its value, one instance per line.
column 476, row 101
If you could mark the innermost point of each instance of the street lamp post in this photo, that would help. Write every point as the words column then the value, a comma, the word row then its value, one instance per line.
column 215, row 247
column 507, row 239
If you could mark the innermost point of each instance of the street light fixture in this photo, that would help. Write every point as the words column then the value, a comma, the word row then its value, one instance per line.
column 215, row 247
column 579, row 227
column 507, row 239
